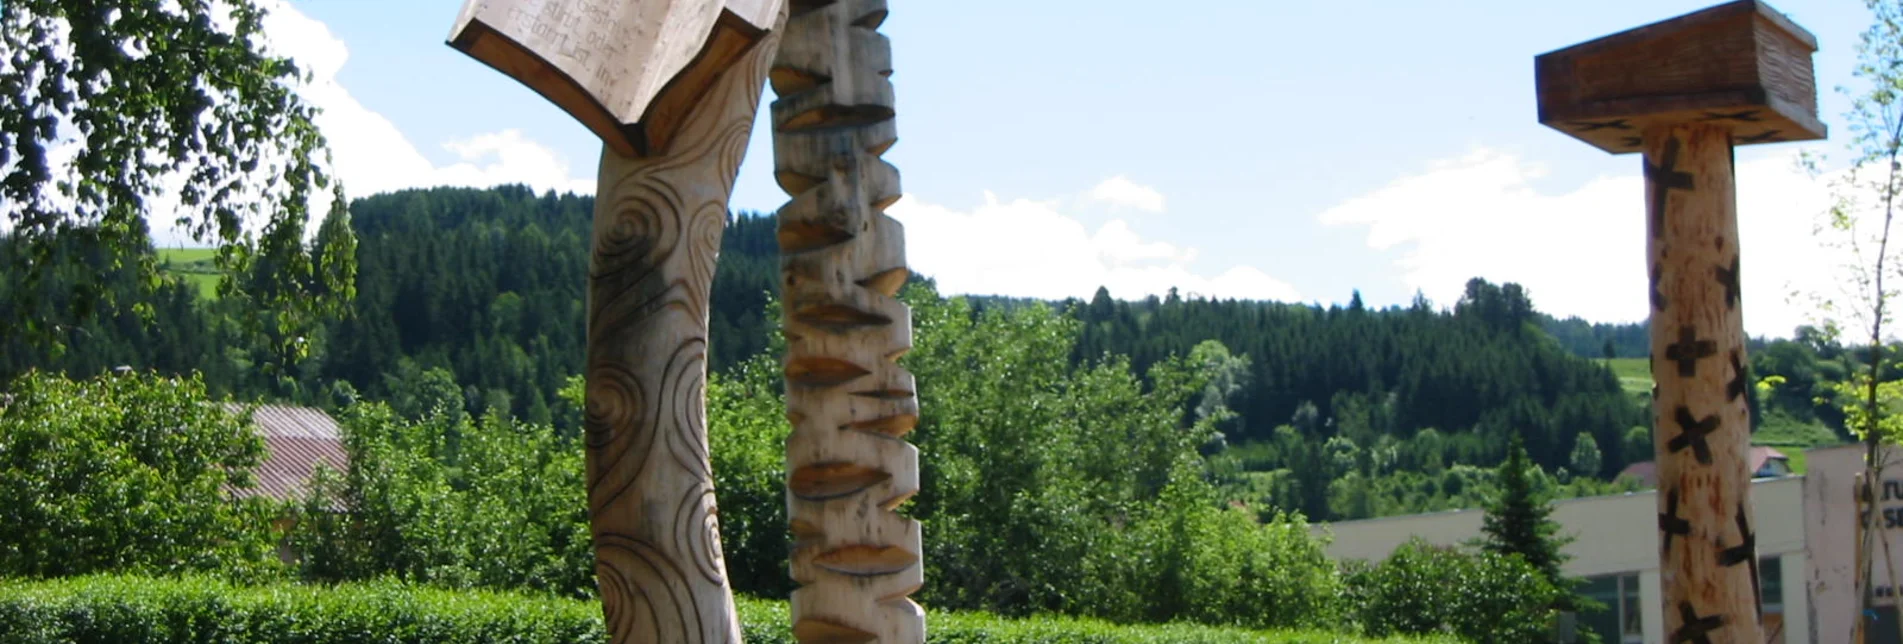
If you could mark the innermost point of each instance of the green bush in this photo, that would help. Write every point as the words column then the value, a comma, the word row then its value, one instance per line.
column 135, row 609
column 1479, row 596
column 447, row 499
column 128, row 473
column 139, row 609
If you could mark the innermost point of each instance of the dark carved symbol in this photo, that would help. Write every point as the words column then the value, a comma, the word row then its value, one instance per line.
column 1766, row 136
column 1688, row 350
column 1588, row 126
column 1729, row 278
column 1630, row 141
column 1692, row 433
column 1664, row 177
column 1747, row 116
column 1693, row 628
column 1658, row 298
column 1737, row 386
column 1746, row 552
column 1669, row 521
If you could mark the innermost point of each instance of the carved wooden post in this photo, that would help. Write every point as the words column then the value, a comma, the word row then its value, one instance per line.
column 672, row 88
column 843, row 260
column 1683, row 92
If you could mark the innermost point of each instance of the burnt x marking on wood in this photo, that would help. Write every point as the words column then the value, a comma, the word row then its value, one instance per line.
column 1658, row 297
column 1694, row 628
column 1664, row 178
column 1630, row 141
column 1588, row 126
column 1746, row 552
column 1670, row 523
column 1691, row 433
column 1738, row 383
column 1729, row 278
column 1766, row 136
column 1689, row 350
column 1747, row 116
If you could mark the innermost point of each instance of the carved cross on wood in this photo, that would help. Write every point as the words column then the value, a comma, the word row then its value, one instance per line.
column 1692, row 87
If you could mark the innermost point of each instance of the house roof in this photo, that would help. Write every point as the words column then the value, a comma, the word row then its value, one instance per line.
column 298, row 438
column 1647, row 471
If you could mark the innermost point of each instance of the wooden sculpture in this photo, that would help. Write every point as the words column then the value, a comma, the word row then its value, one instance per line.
column 672, row 88
column 1683, row 92
column 843, row 261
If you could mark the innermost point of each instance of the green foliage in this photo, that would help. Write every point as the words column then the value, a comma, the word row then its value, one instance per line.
column 746, row 441
column 151, row 94
column 139, row 609
column 453, row 501
column 127, row 472
column 1519, row 521
column 195, row 609
column 1479, row 596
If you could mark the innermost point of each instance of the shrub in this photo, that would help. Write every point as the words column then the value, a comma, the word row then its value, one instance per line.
column 1479, row 596
column 135, row 609
column 127, row 472
column 141, row 609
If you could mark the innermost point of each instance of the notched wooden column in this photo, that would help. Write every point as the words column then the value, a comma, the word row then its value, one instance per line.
column 843, row 262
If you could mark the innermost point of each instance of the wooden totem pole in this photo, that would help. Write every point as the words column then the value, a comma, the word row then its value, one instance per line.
column 671, row 87
column 842, row 263
column 1683, row 92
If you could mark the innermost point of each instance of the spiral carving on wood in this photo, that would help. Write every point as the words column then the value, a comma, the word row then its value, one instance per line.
column 843, row 262
column 657, row 227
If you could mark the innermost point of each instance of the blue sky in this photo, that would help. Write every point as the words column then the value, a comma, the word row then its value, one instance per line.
column 1279, row 150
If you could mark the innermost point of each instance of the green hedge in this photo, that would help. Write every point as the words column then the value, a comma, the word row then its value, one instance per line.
column 141, row 609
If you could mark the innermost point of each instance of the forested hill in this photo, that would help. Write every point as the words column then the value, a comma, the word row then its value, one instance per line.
column 489, row 284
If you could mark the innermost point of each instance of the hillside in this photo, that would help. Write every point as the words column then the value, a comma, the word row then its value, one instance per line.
column 488, row 285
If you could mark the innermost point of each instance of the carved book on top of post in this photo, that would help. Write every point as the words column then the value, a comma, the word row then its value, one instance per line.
column 1741, row 65
column 630, row 71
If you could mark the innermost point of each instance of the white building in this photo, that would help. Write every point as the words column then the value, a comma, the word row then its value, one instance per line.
column 1807, row 529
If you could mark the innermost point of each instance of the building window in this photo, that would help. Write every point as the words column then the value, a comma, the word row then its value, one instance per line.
column 1619, row 619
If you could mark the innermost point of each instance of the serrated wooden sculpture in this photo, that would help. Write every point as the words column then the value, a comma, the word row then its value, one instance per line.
column 1684, row 92
column 843, row 261
column 672, row 87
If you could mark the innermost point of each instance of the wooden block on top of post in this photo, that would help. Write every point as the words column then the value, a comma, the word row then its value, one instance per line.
column 1741, row 64
column 1683, row 92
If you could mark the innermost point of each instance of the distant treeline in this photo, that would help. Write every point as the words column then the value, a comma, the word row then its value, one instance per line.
column 489, row 284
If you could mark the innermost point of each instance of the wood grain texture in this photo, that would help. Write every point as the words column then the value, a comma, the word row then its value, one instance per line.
column 1708, row 559
column 657, row 228
column 631, row 70
column 843, row 261
column 1740, row 63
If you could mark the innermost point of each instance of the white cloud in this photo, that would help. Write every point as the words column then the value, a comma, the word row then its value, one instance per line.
column 1030, row 248
column 1583, row 252
column 371, row 155
column 1120, row 192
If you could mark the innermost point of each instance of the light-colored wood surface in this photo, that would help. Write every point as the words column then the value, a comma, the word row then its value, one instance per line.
column 1742, row 65
column 631, row 70
column 843, row 261
column 1708, row 559
column 658, row 223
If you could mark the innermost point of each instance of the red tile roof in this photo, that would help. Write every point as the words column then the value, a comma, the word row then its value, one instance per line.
column 298, row 438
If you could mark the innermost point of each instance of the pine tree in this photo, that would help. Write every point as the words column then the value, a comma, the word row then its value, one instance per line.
column 1519, row 522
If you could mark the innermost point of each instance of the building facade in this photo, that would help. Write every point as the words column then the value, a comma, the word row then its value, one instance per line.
column 1807, row 531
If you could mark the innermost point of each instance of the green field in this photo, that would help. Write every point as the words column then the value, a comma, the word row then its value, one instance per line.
column 1635, row 375
column 194, row 266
